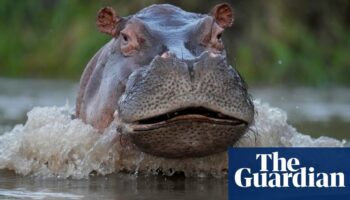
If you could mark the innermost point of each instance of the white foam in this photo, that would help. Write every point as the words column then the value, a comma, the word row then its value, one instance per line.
column 50, row 144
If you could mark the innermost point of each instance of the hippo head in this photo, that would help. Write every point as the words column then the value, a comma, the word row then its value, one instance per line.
column 165, row 80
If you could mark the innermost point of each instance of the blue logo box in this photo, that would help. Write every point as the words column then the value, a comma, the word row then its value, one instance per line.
column 289, row 173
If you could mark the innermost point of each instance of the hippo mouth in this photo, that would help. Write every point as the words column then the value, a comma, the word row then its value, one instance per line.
column 190, row 114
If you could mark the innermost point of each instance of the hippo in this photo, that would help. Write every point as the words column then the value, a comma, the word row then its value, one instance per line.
column 164, row 79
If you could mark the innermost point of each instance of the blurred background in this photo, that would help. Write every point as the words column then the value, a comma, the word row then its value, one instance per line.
column 293, row 54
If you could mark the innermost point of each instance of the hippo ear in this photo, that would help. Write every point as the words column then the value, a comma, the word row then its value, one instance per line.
column 108, row 21
column 223, row 15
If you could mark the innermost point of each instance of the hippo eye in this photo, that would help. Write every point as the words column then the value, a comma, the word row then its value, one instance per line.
column 219, row 36
column 125, row 37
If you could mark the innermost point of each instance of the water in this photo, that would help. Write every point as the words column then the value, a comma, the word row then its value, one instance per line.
column 114, row 186
column 55, row 156
column 315, row 112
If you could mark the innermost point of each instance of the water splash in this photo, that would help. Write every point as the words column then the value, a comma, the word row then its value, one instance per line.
column 51, row 144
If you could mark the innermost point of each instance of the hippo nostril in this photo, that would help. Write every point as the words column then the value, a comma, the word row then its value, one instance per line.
column 203, row 55
column 168, row 55
column 210, row 59
column 206, row 54
column 213, row 55
column 165, row 55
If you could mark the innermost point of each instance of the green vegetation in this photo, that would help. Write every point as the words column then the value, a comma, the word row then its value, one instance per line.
column 272, row 42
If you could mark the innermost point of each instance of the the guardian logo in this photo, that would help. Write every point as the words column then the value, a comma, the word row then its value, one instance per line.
column 286, row 173
column 289, row 173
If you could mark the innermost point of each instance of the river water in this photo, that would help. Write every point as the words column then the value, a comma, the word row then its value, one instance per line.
column 44, row 154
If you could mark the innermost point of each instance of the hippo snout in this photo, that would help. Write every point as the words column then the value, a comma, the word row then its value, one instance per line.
column 185, row 108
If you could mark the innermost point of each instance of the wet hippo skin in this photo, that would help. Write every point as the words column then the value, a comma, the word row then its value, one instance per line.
column 165, row 81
